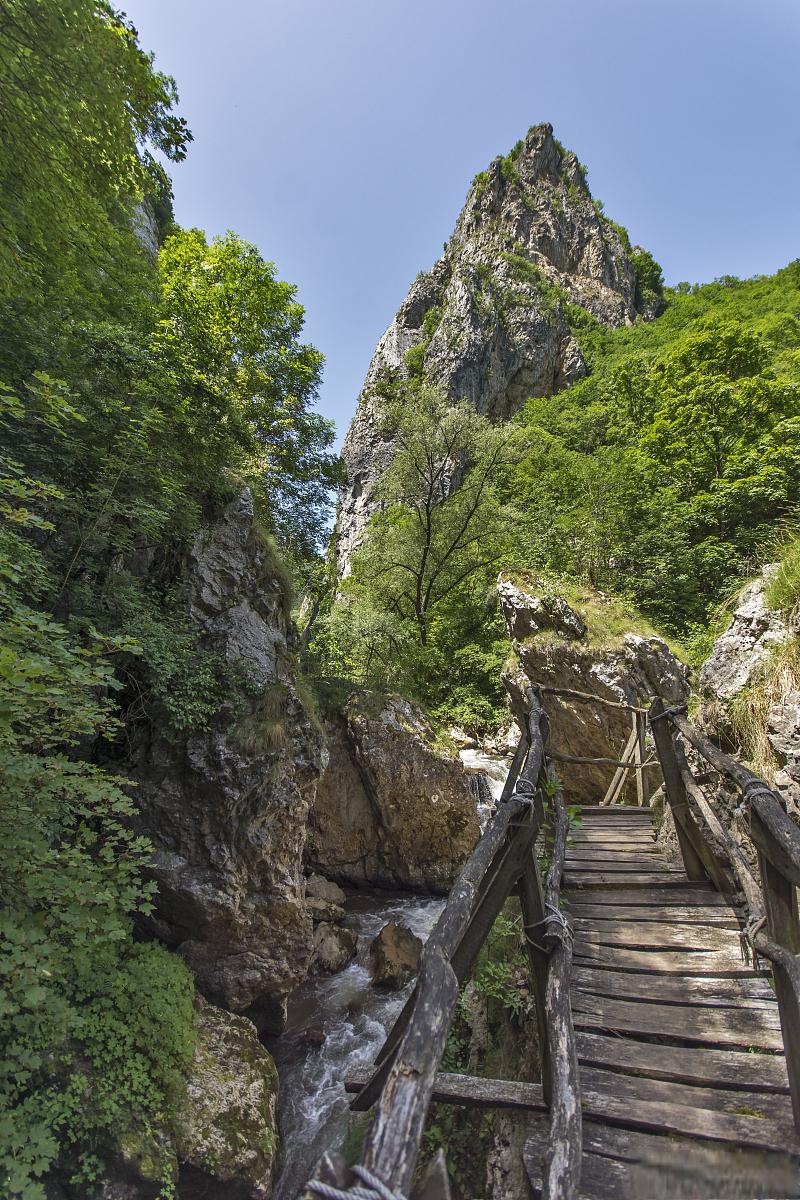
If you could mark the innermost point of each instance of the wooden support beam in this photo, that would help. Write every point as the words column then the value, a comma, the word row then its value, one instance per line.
column 640, row 722
column 626, row 762
column 533, row 916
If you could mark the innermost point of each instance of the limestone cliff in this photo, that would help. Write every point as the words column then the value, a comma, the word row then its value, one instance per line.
column 226, row 806
column 489, row 322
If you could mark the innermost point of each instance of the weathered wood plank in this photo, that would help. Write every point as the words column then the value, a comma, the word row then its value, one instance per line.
column 674, row 989
column 561, row 1168
column 700, row 1066
column 689, row 895
column 717, row 917
column 622, row 864
column 622, row 1164
column 598, row 879
column 689, row 838
column 776, row 836
column 774, row 1106
column 742, row 1028
column 652, row 934
column 665, row 962
column 783, row 927
column 469, row 1090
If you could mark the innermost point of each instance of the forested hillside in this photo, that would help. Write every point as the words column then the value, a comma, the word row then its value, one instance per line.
column 664, row 477
column 146, row 374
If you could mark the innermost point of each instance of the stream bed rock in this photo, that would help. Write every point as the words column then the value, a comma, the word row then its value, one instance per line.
column 394, row 956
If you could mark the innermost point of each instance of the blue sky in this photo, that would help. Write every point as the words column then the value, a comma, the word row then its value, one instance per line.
column 341, row 135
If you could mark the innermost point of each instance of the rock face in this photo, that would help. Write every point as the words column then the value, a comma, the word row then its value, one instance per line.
column 738, row 660
column 488, row 322
column 227, row 1128
column 394, row 956
column 390, row 810
column 226, row 807
column 632, row 669
column 743, row 649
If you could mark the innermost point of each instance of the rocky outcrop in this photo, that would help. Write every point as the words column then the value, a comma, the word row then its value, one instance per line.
column 741, row 658
column 391, row 809
column 225, row 807
column 324, row 899
column 743, row 650
column 529, row 612
column 631, row 668
column 489, row 322
column 227, row 1126
column 394, row 956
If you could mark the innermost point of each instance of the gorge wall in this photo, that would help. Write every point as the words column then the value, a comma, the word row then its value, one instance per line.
column 226, row 807
column 489, row 323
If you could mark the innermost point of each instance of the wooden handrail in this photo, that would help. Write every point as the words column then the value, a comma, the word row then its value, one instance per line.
column 402, row 1083
column 777, row 841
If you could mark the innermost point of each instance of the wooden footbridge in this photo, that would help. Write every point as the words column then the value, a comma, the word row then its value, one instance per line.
column 667, row 998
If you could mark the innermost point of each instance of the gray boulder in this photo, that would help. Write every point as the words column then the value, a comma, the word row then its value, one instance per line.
column 333, row 948
column 527, row 612
column 227, row 1138
column 394, row 956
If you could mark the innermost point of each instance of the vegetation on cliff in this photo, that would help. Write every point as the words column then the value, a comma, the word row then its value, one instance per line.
column 141, row 384
column 659, row 478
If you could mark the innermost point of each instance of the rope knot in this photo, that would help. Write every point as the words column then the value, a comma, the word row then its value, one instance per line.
column 375, row 1188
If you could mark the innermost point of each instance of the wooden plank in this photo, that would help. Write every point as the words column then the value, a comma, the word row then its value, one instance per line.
column 615, row 814
column 710, row 915
column 690, row 895
column 742, row 1027
column 561, row 1167
column 469, row 1090
column 621, row 863
column 700, row 1066
column 783, row 927
column 647, row 857
column 666, row 989
column 776, row 836
column 688, row 834
column 775, row 1106
column 653, row 934
column 576, row 879
column 719, row 963
column 620, row 777
column 623, row 1164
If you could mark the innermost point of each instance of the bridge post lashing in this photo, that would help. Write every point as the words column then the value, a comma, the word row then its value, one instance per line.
column 676, row 792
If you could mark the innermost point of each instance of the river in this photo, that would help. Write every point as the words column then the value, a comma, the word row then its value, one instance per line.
column 340, row 1021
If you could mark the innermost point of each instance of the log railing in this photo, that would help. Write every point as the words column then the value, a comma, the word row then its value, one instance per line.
column 402, row 1084
column 770, row 921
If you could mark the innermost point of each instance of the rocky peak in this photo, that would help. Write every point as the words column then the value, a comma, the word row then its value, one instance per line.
column 489, row 322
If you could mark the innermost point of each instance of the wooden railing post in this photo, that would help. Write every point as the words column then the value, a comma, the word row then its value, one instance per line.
column 531, row 900
column 783, row 925
column 675, row 790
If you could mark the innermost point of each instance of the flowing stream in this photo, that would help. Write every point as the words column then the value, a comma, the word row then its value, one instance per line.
column 340, row 1021
column 354, row 1018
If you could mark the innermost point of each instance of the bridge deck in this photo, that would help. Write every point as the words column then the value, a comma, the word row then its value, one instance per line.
column 683, row 1080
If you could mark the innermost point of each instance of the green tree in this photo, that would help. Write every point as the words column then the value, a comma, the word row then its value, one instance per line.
column 441, row 522
column 80, row 102
column 229, row 338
